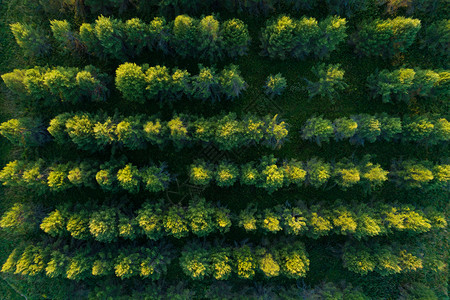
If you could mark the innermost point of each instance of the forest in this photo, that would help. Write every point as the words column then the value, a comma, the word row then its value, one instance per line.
column 224, row 149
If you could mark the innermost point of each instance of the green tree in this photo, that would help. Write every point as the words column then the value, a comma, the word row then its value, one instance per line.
column 346, row 174
column 24, row 132
column 67, row 40
column 359, row 260
column 175, row 222
column 57, row 179
column 344, row 128
column 150, row 219
column 368, row 130
column 155, row 179
column 129, row 178
column 200, row 217
column 386, row 38
column 127, row 264
column 206, row 85
column 103, row 225
column 275, row 85
column 235, row 37
column 209, row 41
column 267, row 263
column 159, row 83
column 293, row 260
column 55, row 223
column 318, row 172
column 330, row 82
column 318, row 129
column 437, row 39
column 195, row 263
column 244, row 262
column 32, row 261
column 78, row 225
column 200, row 173
column 412, row 174
column 57, row 265
column 272, row 177
column 32, row 40
column 80, row 129
column 231, row 82
column 79, row 267
column 185, row 32
column 131, row 82
column 19, row 219
column 221, row 263
column 129, row 132
column 279, row 37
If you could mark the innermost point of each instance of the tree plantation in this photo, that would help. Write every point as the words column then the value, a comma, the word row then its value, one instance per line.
column 233, row 149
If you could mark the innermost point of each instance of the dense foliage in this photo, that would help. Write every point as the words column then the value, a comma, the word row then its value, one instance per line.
column 107, row 37
column 364, row 128
column 95, row 132
column 386, row 38
column 87, row 263
column 286, row 37
column 288, row 260
column 408, row 84
column 159, row 219
column 139, row 84
column 47, row 86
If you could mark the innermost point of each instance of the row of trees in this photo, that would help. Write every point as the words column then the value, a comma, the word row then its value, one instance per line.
column 159, row 219
column 387, row 260
column 141, row 83
column 111, row 176
column 386, row 38
column 405, row 84
column 359, row 129
column 209, row 39
column 107, row 37
column 155, row 220
column 95, row 132
column 287, row 259
column 286, row 37
column 272, row 174
column 80, row 264
column 269, row 173
column 47, row 86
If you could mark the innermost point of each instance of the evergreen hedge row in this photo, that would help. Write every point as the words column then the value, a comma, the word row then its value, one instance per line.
column 269, row 173
column 89, row 262
column 94, row 132
column 364, row 128
column 406, row 84
column 159, row 219
column 107, row 37
column 302, row 38
column 387, row 260
column 48, row 86
column 142, row 83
